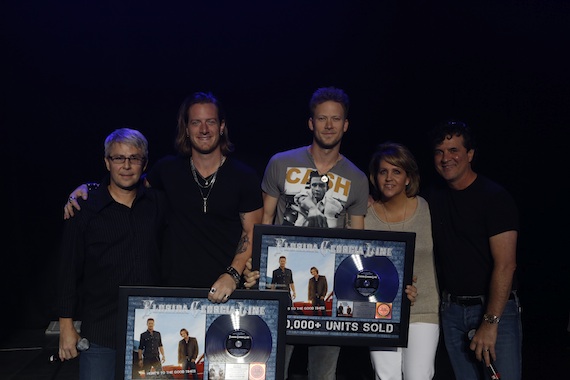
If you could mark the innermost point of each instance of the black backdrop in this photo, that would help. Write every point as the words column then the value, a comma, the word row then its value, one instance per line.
column 74, row 71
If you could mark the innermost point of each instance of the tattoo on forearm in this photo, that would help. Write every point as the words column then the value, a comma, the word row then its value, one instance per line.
column 243, row 244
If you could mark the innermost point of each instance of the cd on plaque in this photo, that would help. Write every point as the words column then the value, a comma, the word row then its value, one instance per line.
column 358, row 278
column 233, row 339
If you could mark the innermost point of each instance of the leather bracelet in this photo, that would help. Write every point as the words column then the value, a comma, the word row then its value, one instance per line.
column 235, row 275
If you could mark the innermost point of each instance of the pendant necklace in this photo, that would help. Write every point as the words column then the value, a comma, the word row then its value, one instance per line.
column 387, row 217
column 209, row 183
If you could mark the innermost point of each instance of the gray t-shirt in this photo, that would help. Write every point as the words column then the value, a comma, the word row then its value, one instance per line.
column 287, row 177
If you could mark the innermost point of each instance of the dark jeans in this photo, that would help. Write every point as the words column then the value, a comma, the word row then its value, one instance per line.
column 187, row 366
column 319, row 303
column 458, row 319
column 97, row 363
column 148, row 363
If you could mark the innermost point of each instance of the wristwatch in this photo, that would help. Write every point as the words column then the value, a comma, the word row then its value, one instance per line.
column 490, row 318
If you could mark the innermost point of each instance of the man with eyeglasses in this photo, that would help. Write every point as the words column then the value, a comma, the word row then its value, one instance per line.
column 215, row 200
column 115, row 240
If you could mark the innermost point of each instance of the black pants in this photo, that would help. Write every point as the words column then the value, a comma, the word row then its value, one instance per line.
column 319, row 302
column 148, row 363
column 189, row 365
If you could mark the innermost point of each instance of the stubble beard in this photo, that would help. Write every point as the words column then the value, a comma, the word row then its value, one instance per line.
column 208, row 150
column 324, row 145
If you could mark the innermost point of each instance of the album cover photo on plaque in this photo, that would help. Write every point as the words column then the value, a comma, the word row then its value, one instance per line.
column 180, row 334
column 344, row 286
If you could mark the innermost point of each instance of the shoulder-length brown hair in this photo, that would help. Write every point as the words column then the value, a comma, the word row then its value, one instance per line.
column 397, row 155
column 182, row 144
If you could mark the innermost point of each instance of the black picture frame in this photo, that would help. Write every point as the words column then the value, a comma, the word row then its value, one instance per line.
column 368, row 271
column 243, row 338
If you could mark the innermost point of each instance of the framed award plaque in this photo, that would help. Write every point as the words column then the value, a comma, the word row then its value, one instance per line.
column 343, row 287
column 242, row 339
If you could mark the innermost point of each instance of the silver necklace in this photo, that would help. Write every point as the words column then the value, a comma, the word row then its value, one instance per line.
column 209, row 184
column 387, row 216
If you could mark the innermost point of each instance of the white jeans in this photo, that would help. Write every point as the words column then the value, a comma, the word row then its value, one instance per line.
column 416, row 362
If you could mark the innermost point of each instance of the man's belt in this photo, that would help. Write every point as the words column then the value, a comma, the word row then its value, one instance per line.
column 469, row 300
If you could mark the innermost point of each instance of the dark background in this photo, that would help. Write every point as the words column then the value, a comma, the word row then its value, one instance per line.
column 71, row 72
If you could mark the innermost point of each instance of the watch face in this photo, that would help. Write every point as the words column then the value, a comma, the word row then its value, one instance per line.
column 491, row 318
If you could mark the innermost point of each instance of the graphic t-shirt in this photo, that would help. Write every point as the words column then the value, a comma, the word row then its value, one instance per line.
column 303, row 201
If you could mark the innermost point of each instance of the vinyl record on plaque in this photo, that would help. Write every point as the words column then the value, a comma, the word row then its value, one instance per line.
column 233, row 339
column 358, row 278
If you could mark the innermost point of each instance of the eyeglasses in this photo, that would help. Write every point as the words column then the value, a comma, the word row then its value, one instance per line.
column 133, row 160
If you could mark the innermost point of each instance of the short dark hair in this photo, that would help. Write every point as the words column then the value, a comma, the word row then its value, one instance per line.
column 449, row 128
column 313, row 174
column 325, row 94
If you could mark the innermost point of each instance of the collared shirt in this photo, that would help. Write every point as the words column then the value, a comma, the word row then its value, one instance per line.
column 106, row 245
column 282, row 278
column 149, row 344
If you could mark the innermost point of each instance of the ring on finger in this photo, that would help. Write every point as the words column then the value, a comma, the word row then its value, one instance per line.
column 213, row 290
column 226, row 297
